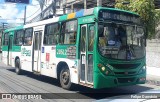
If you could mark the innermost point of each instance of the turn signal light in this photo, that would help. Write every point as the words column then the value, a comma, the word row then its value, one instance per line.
column 100, row 65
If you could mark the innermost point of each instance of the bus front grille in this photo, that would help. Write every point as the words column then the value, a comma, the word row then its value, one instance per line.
column 125, row 66
column 125, row 73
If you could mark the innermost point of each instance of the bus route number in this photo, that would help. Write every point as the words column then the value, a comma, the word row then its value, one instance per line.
column 61, row 51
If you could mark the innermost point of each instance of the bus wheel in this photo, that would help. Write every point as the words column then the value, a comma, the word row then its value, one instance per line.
column 65, row 79
column 17, row 67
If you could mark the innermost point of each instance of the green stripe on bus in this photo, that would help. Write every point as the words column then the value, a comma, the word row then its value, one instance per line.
column 62, row 18
column 12, row 29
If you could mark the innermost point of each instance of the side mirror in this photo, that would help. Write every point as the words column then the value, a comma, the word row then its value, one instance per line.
column 100, row 29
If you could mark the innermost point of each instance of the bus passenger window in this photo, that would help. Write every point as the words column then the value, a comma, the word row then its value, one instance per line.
column 29, row 41
column 73, row 38
column 18, row 38
column 28, row 37
column 69, row 32
column 51, row 34
column 91, row 38
column 44, row 41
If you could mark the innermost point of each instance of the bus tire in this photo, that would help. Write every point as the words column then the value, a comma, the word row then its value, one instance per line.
column 65, row 79
column 17, row 67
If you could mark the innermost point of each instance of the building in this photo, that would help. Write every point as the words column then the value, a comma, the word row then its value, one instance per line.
column 157, row 4
column 53, row 8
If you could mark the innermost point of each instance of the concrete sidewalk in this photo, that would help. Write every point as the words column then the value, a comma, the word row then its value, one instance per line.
column 153, row 76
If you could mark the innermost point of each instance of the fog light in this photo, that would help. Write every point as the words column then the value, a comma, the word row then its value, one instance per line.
column 107, row 72
column 103, row 68
column 142, row 79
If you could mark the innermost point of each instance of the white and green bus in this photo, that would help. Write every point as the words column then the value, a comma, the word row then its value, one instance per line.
column 98, row 48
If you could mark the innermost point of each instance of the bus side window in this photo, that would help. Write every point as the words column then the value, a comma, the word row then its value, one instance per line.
column 73, row 38
column 61, row 41
column 45, row 40
column 69, row 32
column 51, row 34
column 18, row 38
column 91, row 38
column 28, row 37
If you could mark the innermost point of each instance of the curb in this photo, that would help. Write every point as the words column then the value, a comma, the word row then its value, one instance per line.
column 153, row 76
column 153, row 82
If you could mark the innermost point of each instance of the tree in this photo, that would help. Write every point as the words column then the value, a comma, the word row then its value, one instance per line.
column 157, row 22
column 157, row 16
column 146, row 10
column 123, row 4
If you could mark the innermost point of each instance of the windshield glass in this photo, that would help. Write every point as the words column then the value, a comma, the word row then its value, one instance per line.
column 119, row 41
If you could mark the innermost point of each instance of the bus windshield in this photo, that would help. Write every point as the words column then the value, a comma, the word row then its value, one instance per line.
column 118, row 41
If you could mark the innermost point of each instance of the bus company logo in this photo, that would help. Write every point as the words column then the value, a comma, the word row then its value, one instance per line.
column 25, row 52
column 6, row 96
column 126, row 73
column 61, row 51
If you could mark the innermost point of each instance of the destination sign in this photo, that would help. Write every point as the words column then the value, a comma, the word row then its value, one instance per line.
column 119, row 16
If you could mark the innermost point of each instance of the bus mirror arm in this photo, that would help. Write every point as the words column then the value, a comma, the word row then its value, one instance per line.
column 95, row 19
column 145, row 44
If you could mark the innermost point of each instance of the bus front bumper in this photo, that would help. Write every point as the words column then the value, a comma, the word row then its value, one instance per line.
column 102, row 81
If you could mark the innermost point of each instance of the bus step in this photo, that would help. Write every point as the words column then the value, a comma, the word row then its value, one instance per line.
column 36, row 73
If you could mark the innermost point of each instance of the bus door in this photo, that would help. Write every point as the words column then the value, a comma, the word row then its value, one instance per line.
column 9, row 59
column 86, row 53
column 37, row 51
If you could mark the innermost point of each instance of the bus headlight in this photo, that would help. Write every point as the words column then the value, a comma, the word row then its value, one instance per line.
column 104, row 69
column 101, row 67
column 142, row 70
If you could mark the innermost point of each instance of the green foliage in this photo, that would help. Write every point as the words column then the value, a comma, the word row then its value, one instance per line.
column 120, row 4
column 157, row 16
column 146, row 10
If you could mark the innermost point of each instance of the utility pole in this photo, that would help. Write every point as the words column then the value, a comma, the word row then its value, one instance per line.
column 3, row 25
column 41, row 3
column 24, row 15
column 85, row 4
column 99, row 2
column 54, row 4
column 64, row 7
column 72, row 8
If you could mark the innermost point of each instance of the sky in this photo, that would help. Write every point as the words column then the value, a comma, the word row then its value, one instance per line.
column 14, row 12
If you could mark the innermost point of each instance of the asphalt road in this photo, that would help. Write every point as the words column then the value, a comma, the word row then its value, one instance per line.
column 29, row 83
